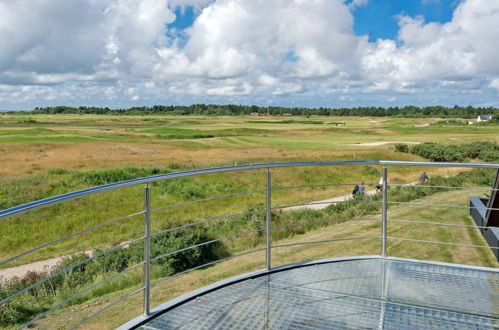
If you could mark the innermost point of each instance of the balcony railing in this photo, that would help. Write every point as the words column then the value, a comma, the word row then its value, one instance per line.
column 269, row 207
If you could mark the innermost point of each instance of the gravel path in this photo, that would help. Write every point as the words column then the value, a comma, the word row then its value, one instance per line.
column 320, row 205
column 21, row 271
column 8, row 274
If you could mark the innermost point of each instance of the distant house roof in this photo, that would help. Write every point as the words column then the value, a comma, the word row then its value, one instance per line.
column 484, row 117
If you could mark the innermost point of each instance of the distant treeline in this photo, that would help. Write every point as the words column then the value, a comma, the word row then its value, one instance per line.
column 236, row 110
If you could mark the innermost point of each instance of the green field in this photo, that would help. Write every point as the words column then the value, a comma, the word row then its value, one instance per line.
column 46, row 155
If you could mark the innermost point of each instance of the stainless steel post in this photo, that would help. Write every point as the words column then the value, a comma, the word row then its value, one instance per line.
column 384, row 211
column 147, row 252
column 268, row 219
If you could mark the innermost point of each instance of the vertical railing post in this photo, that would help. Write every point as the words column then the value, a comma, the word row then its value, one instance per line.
column 147, row 251
column 268, row 218
column 384, row 211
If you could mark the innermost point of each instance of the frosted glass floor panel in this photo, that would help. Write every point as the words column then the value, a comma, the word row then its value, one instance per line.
column 356, row 294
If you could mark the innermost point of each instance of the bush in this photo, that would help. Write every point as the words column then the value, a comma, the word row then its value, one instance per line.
column 96, row 178
column 438, row 153
column 474, row 149
column 401, row 147
column 170, row 242
column 489, row 156
column 484, row 150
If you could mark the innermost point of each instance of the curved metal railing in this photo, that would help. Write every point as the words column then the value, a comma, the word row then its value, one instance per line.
column 269, row 207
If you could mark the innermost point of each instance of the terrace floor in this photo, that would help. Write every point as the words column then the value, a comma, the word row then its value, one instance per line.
column 355, row 294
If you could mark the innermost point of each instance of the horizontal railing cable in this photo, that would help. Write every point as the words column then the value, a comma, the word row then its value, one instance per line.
column 69, row 268
column 70, row 235
column 81, row 293
column 441, row 187
column 328, row 202
column 443, row 243
column 206, row 221
column 206, row 264
column 445, row 205
column 437, row 223
column 324, row 222
column 322, row 185
column 207, row 199
column 206, row 243
column 326, row 241
column 133, row 182
column 107, row 307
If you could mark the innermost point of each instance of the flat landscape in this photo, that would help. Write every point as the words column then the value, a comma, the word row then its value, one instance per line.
column 47, row 155
column 34, row 144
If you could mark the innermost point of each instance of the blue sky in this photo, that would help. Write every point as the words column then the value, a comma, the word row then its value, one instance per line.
column 378, row 19
column 266, row 52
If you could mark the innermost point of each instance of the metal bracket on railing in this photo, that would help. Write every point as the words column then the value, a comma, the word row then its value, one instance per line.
column 384, row 210
column 147, row 251
column 268, row 219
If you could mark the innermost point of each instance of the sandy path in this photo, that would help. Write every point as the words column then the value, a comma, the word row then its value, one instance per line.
column 21, row 271
column 320, row 205
column 8, row 274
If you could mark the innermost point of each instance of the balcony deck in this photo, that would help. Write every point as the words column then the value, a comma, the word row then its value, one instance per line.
column 368, row 293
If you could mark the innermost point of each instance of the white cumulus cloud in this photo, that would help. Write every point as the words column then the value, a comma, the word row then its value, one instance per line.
column 106, row 50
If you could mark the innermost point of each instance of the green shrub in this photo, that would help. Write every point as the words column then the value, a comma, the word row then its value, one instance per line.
column 474, row 149
column 101, row 177
column 484, row 150
column 439, row 153
column 489, row 156
column 401, row 147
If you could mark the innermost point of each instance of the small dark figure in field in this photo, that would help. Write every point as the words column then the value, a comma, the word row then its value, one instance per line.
column 379, row 186
column 355, row 191
column 423, row 177
column 361, row 188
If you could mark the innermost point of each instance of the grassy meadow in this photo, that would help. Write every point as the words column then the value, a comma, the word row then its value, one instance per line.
column 46, row 155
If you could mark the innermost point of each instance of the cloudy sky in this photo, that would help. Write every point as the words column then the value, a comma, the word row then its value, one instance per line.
column 122, row 53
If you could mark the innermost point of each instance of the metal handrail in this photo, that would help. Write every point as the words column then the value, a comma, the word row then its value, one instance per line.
column 440, row 187
column 436, row 223
column 443, row 243
column 349, row 201
column 320, row 185
column 322, row 222
column 325, row 241
column 128, row 183
column 148, row 234
column 444, row 205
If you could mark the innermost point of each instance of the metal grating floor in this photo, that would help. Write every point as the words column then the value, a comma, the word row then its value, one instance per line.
column 357, row 294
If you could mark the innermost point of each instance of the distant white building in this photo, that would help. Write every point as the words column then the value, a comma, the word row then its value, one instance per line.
column 483, row 118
